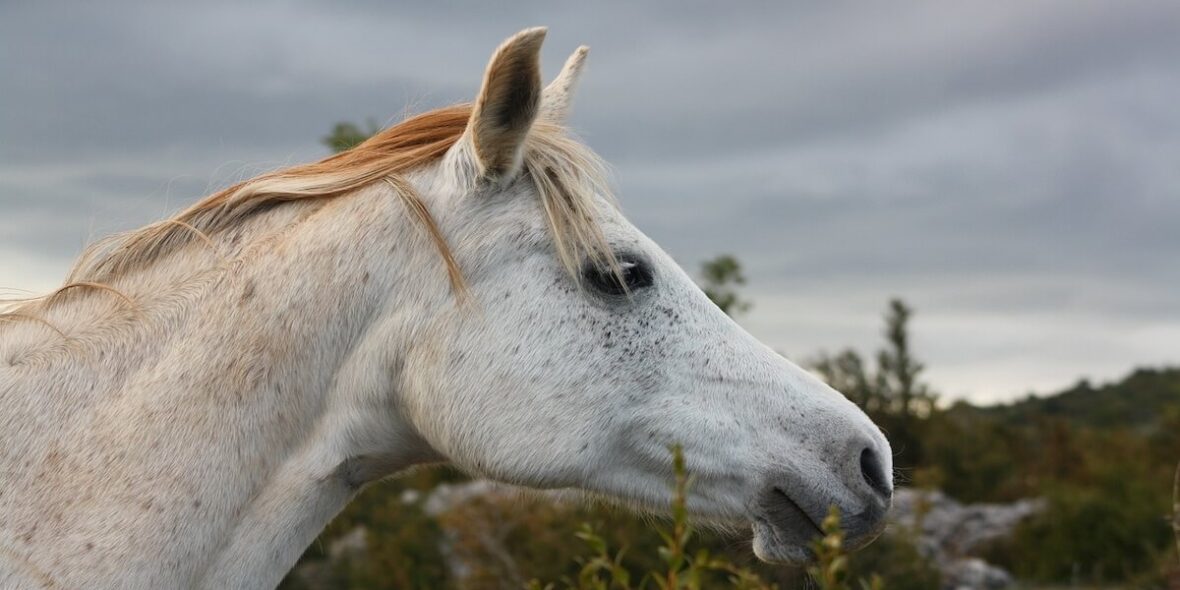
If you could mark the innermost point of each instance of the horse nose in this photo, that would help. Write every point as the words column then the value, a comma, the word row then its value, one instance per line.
column 871, row 482
column 873, row 472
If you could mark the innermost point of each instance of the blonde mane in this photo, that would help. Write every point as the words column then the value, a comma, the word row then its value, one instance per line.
column 566, row 175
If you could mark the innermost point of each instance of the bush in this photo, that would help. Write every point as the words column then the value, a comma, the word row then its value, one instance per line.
column 502, row 542
column 1112, row 531
column 402, row 543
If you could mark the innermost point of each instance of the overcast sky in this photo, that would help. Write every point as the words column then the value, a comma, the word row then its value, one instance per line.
column 1011, row 169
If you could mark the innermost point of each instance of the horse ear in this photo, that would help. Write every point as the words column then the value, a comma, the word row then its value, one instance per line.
column 559, row 94
column 508, row 103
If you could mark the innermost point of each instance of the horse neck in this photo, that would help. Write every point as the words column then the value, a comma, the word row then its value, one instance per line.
column 208, row 439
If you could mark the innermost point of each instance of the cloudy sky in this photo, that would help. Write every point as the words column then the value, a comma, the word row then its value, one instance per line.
column 1011, row 169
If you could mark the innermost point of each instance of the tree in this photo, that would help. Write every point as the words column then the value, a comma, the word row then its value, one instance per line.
column 894, row 388
column 720, row 278
column 345, row 135
column 846, row 373
column 893, row 393
column 897, row 370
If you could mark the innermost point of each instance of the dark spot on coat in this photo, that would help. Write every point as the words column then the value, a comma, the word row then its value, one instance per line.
column 247, row 293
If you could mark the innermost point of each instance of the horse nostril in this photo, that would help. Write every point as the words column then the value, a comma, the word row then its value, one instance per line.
column 874, row 473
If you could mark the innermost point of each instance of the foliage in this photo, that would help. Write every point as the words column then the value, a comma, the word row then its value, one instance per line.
column 1133, row 402
column 892, row 394
column 894, row 388
column 720, row 279
column 500, row 541
column 1176, row 506
column 682, row 568
column 679, row 569
column 830, row 570
column 891, row 561
column 1103, row 457
column 402, row 543
column 345, row 136
column 1106, row 528
column 894, row 561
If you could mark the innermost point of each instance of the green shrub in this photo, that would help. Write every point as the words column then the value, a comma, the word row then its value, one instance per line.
column 1111, row 531
column 403, row 543
column 502, row 541
column 673, row 565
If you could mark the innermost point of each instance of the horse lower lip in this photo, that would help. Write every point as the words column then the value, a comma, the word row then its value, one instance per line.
column 776, row 549
column 783, row 529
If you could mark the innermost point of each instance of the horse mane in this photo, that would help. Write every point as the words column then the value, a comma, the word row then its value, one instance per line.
column 567, row 177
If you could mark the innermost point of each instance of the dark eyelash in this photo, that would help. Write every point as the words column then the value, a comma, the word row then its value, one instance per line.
column 633, row 275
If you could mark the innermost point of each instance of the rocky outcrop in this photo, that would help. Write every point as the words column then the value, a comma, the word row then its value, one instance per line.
column 948, row 532
column 446, row 497
column 972, row 573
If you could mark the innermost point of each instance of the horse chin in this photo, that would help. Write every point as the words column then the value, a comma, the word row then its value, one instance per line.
column 784, row 532
column 771, row 546
column 783, row 529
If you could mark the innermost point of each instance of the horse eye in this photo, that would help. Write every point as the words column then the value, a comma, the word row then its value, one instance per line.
column 633, row 275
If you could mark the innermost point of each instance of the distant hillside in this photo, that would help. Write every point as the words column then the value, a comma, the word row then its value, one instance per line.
column 1138, row 401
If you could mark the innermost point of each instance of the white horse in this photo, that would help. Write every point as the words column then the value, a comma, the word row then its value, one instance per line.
column 205, row 393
